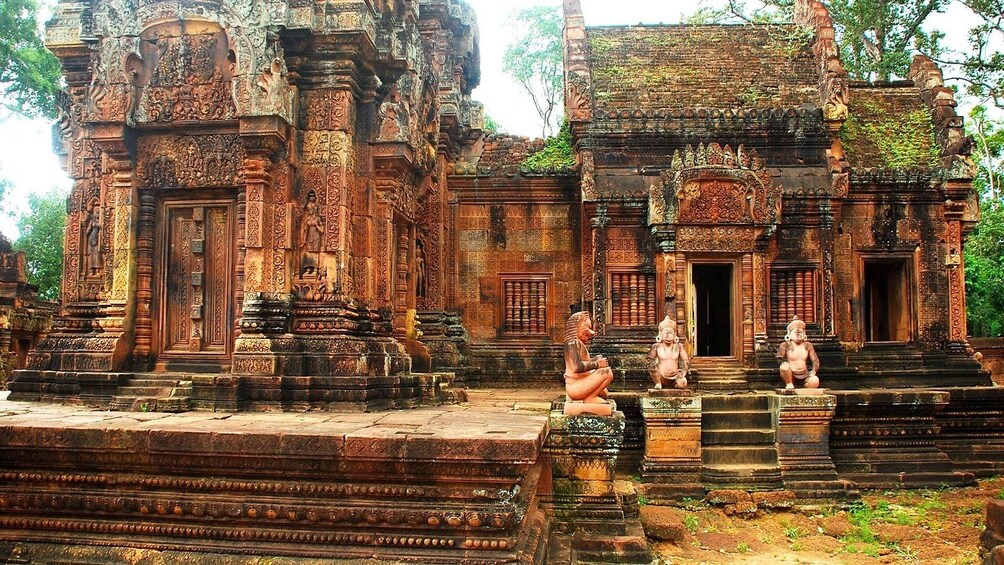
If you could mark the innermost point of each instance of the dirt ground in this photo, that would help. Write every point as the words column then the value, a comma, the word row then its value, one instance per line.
column 899, row 526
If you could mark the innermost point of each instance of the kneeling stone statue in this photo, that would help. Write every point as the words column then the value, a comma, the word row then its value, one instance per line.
column 586, row 378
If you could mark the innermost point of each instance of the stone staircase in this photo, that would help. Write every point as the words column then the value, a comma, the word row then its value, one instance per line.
column 154, row 392
column 722, row 375
column 738, row 449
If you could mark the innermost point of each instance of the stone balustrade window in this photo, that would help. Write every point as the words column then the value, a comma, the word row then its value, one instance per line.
column 792, row 293
column 524, row 305
column 633, row 299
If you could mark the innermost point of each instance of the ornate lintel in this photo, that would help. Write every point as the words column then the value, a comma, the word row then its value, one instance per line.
column 114, row 139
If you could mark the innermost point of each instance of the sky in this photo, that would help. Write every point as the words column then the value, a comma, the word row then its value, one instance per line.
column 27, row 160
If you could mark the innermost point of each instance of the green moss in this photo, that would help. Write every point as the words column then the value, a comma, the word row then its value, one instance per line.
column 894, row 141
column 600, row 47
column 556, row 155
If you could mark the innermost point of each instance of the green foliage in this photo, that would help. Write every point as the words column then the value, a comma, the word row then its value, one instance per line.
column 556, row 155
column 533, row 59
column 42, row 241
column 29, row 73
column 877, row 38
column 490, row 126
column 982, row 67
column 690, row 521
column 792, row 532
column 743, row 547
column 984, row 249
column 901, row 141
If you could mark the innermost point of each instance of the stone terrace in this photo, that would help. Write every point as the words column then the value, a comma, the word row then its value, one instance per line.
column 433, row 483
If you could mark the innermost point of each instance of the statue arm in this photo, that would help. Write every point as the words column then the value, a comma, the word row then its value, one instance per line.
column 684, row 360
column 813, row 357
column 574, row 363
column 782, row 352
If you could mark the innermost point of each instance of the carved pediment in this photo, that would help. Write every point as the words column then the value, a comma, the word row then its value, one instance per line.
column 715, row 185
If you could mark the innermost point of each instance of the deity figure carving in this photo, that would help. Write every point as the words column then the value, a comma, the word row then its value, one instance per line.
column 391, row 112
column 311, row 235
column 668, row 358
column 586, row 378
column 795, row 354
column 92, row 239
column 421, row 284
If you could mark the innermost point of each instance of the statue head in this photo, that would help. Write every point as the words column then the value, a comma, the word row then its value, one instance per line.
column 796, row 331
column 667, row 331
column 579, row 326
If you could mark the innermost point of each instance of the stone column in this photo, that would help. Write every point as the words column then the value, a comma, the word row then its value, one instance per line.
column 802, row 426
column 671, row 469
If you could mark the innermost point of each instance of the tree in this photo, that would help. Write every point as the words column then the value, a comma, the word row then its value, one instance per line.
column 877, row 38
column 534, row 60
column 984, row 250
column 42, row 241
column 29, row 73
column 491, row 126
column 981, row 69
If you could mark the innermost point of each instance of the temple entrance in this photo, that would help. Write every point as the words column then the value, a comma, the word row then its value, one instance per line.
column 711, row 296
column 195, row 271
column 885, row 301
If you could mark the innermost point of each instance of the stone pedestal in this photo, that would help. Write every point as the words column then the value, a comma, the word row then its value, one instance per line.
column 993, row 535
column 671, row 468
column 802, row 424
column 887, row 439
column 583, row 452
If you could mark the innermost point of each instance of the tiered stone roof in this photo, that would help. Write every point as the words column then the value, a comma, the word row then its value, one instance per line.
column 645, row 69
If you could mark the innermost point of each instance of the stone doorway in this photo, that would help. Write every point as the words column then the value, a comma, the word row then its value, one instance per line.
column 886, row 300
column 194, row 307
column 712, row 308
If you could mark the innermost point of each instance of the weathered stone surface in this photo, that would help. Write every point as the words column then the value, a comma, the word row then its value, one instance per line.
column 993, row 535
column 836, row 526
column 664, row 523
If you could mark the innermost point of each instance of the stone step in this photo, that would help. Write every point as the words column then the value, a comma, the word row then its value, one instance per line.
column 737, row 437
column 145, row 391
column 754, row 455
column 741, row 477
column 736, row 403
column 739, row 419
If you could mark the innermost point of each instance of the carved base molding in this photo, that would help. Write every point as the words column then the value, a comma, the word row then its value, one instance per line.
column 266, row 485
column 262, row 355
column 972, row 430
column 887, row 439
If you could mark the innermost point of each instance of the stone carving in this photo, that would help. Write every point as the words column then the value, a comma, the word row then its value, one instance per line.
column 311, row 235
column 92, row 240
column 421, row 277
column 669, row 362
column 795, row 354
column 717, row 185
column 393, row 116
column 586, row 378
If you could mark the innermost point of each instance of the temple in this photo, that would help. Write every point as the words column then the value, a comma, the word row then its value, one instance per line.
column 292, row 205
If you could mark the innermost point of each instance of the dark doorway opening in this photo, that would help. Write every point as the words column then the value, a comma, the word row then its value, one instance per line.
column 886, row 301
column 713, row 288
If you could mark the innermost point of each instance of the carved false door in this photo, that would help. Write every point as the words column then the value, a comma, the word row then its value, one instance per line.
column 196, row 298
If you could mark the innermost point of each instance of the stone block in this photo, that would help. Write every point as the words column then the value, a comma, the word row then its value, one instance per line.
column 993, row 535
column 663, row 523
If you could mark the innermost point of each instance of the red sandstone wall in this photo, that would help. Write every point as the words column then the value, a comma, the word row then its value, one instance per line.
column 512, row 238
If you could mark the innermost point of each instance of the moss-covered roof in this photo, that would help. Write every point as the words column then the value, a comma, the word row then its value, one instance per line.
column 703, row 66
column 889, row 127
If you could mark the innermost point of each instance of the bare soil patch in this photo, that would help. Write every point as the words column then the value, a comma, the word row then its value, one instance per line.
column 885, row 526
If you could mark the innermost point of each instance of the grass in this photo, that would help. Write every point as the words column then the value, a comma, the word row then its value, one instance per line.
column 792, row 532
column 691, row 522
column 743, row 547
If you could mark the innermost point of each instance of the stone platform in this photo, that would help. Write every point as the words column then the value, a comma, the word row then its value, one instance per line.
column 443, row 484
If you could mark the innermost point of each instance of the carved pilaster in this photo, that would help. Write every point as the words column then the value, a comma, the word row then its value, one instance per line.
column 671, row 468
column 599, row 224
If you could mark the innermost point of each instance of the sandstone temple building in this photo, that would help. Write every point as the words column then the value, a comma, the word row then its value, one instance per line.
column 291, row 205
